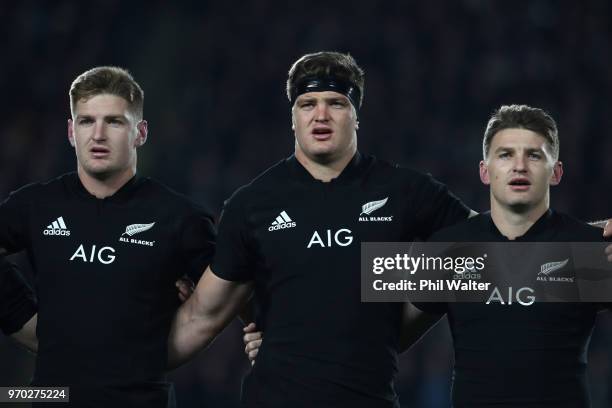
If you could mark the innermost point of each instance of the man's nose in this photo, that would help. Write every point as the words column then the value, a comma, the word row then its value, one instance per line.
column 520, row 163
column 321, row 112
column 99, row 131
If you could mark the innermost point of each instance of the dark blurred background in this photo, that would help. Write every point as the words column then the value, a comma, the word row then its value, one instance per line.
column 214, row 76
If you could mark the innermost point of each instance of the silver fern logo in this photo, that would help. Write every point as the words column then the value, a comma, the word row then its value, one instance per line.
column 550, row 267
column 369, row 208
column 137, row 228
column 134, row 229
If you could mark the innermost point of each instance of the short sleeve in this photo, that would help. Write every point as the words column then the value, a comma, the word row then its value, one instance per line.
column 436, row 207
column 233, row 258
column 13, row 223
column 17, row 300
column 197, row 243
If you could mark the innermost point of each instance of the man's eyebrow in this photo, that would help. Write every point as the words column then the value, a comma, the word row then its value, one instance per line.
column 106, row 117
column 336, row 98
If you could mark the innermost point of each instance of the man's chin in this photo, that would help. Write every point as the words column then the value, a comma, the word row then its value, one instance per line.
column 520, row 207
column 323, row 155
column 99, row 172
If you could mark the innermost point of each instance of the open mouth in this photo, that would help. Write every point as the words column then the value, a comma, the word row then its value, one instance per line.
column 519, row 184
column 322, row 133
column 99, row 151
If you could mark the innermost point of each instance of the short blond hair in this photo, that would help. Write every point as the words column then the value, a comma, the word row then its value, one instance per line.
column 522, row 117
column 107, row 80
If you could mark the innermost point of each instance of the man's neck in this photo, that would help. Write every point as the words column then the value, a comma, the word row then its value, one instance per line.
column 325, row 171
column 105, row 187
column 512, row 223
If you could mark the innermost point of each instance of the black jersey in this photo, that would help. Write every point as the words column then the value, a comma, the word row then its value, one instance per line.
column 17, row 301
column 299, row 239
column 104, row 277
column 514, row 355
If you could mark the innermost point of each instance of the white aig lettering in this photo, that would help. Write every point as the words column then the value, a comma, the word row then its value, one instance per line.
column 341, row 237
column 101, row 255
column 528, row 300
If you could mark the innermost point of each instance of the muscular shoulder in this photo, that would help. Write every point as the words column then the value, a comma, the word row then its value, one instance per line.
column 159, row 194
column 471, row 228
column 383, row 172
column 573, row 229
column 43, row 190
column 272, row 181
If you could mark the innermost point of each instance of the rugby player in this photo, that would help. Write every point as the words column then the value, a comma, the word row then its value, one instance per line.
column 292, row 235
column 531, row 355
column 106, row 247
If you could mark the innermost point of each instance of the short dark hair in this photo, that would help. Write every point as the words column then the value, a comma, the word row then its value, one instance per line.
column 326, row 63
column 522, row 117
column 107, row 80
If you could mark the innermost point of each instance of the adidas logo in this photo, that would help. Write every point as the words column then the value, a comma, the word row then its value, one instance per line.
column 281, row 222
column 57, row 227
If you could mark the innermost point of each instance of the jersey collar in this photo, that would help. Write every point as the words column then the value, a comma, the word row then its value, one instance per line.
column 353, row 170
column 542, row 230
column 123, row 194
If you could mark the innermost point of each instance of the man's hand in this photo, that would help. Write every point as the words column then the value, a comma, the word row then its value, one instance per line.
column 185, row 288
column 608, row 234
column 252, row 341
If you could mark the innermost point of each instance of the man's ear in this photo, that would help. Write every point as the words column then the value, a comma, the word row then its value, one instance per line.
column 142, row 133
column 484, row 173
column 555, row 179
column 70, row 133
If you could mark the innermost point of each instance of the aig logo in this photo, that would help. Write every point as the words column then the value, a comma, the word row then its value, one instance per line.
column 342, row 238
column 104, row 255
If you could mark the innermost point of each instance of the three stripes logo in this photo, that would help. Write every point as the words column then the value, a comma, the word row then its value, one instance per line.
column 281, row 222
column 57, row 227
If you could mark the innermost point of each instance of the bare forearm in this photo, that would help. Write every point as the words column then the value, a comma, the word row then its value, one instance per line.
column 190, row 333
column 213, row 305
